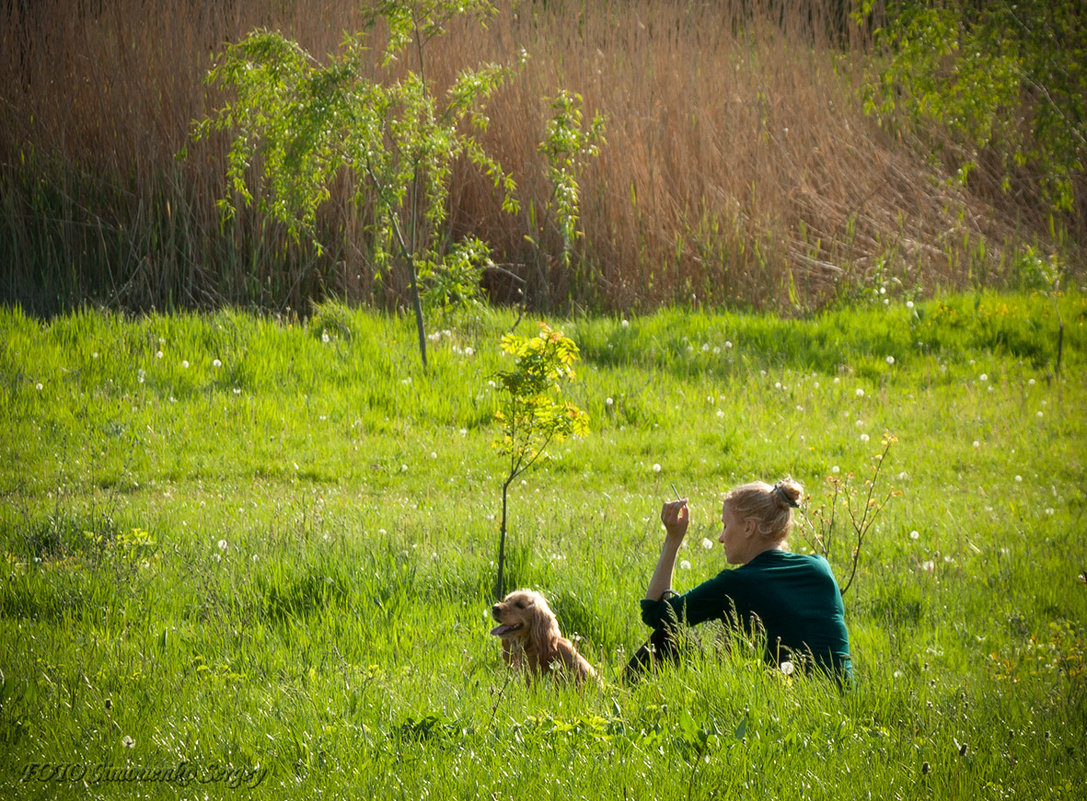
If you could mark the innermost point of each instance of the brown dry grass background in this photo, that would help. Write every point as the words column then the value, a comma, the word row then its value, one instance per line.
column 739, row 167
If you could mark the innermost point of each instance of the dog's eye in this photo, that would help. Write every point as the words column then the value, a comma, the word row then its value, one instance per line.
column 519, row 604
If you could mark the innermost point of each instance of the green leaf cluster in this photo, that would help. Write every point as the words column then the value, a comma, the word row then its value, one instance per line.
column 1004, row 80
column 532, row 413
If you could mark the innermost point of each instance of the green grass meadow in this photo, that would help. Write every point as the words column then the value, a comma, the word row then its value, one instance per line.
column 262, row 549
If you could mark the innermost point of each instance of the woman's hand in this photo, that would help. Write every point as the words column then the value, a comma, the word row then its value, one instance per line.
column 676, row 516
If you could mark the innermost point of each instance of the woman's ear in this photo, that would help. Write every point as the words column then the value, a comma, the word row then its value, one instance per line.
column 750, row 527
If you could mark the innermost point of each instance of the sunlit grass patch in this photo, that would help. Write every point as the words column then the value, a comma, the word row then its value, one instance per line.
column 307, row 529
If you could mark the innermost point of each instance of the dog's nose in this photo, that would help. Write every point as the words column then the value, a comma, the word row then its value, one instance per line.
column 496, row 609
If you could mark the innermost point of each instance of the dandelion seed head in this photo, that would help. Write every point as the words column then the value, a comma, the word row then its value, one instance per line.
column 656, row 468
column 222, row 545
column 707, row 543
column 787, row 668
column 860, row 392
column 684, row 565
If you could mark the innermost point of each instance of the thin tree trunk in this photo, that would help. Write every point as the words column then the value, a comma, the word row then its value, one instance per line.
column 500, row 583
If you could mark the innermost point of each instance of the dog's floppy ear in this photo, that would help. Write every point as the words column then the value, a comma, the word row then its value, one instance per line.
column 545, row 628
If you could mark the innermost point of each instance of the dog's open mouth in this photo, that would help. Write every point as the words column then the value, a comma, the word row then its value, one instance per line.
column 504, row 629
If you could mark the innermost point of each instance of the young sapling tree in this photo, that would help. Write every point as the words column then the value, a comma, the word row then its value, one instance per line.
column 567, row 145
column 532, row 413
column 298, row 124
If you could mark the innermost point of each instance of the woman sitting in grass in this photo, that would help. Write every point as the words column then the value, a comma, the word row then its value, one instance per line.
column 793, row 598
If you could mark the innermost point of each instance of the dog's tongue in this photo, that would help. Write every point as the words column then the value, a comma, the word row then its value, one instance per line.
column 498, row 631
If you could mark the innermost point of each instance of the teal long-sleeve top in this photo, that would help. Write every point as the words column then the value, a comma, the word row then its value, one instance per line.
column 794, row 598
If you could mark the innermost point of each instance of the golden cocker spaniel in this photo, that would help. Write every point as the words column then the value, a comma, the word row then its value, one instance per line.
column 531, row 640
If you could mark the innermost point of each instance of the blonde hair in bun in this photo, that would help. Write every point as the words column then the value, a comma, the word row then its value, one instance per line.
column 769, row 506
